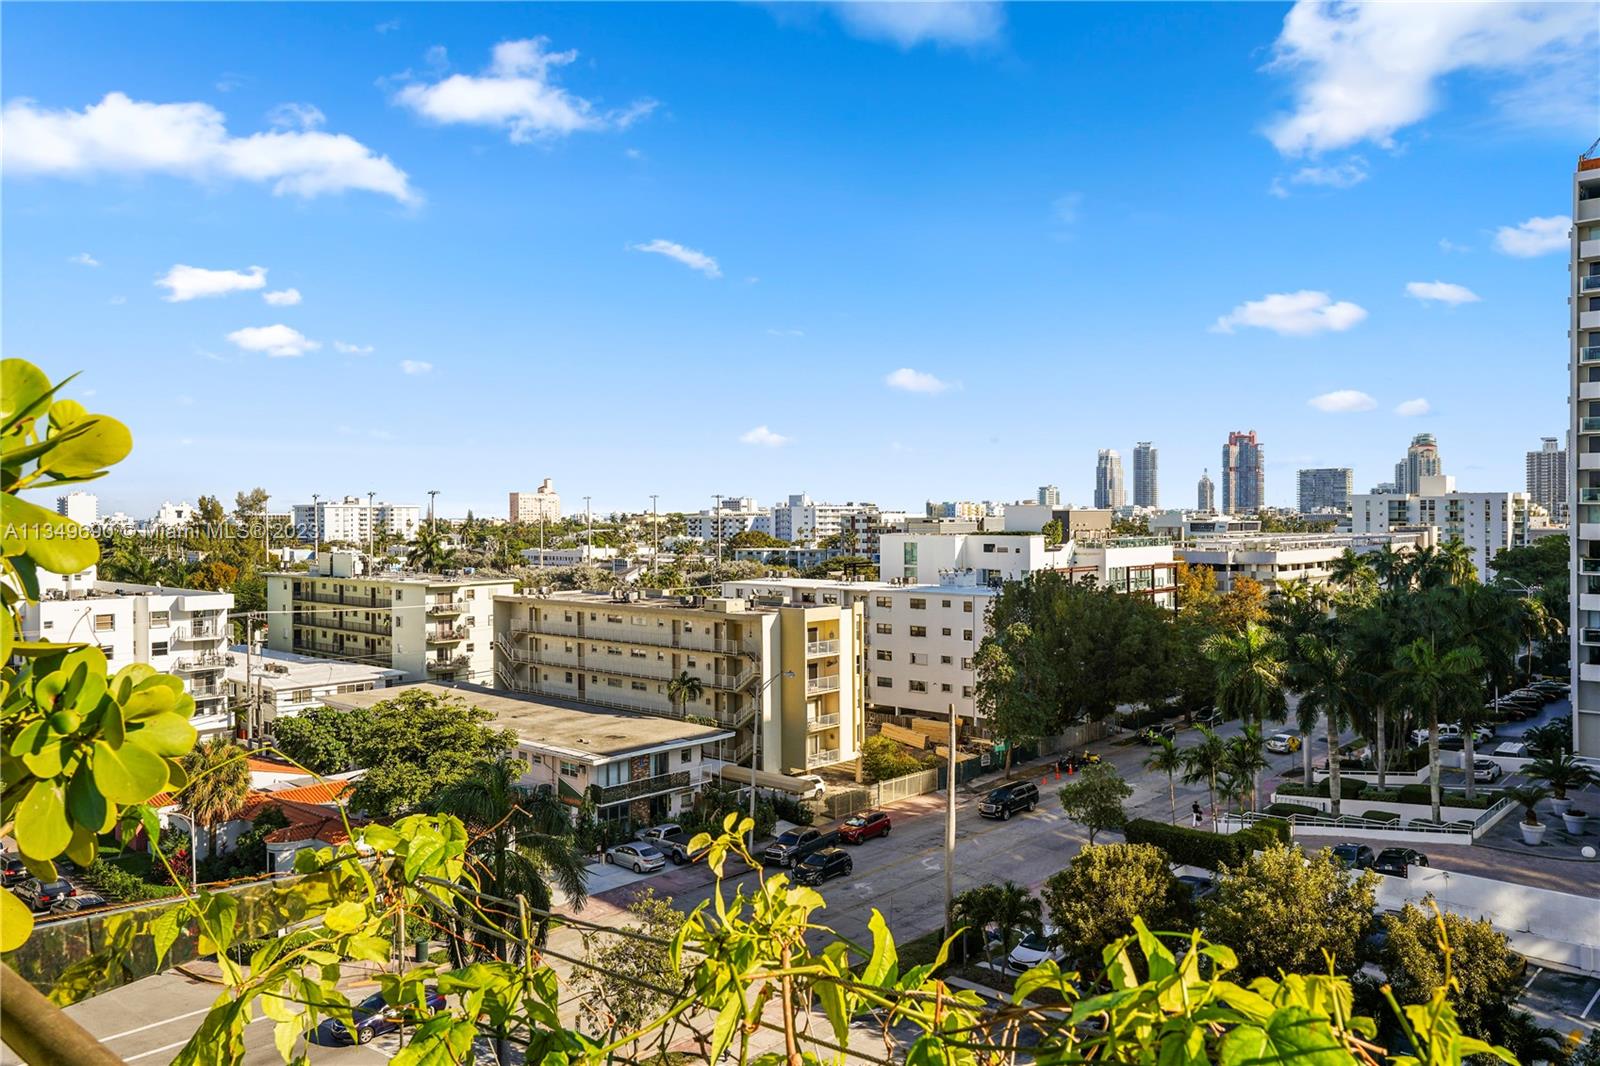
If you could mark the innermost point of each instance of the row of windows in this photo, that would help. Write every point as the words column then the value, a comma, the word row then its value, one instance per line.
column 920, row 658
column 919, row 604
column 922, row 686
column 887, row 629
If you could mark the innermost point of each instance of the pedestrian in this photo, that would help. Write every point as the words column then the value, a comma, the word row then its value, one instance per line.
column 1199, row 815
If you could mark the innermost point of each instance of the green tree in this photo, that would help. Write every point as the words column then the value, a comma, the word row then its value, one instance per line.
column 1323, row 676
column 430, row 551
column 1165, row 758
column 321, row 739
column 755, row 538
column 1203, row 761
column 250, row 507
column 1250, row 674
column 1010, row 676
column 683, row 690
column 1053, row 532
column 419, row 744
column 1561, row 771
column 219, row 781
column 1104, row 888
column 1007, row 908
column 1455, row 560
column 883, row 759
column 1244, row 758
column 617, row 990
column 1314, row 909
column 1095, row 799
column 1484, row 982
column 1435, row 681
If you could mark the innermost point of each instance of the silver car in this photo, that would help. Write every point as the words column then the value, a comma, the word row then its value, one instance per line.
column 638, row 857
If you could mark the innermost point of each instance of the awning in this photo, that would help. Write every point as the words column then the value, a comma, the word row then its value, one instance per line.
column 743, row 776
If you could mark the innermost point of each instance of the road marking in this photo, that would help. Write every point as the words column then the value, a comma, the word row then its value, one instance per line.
column 1537, row 970
column 152, row 1025
column 1590, row 1007
column 179, row 1044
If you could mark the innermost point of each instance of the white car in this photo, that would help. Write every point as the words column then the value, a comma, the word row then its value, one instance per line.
column 1485, row 770
column 1452, row 731
column 1283, row 743
column 658, row 832
column 1034, row 949
column 818, row 787
column 640, row 858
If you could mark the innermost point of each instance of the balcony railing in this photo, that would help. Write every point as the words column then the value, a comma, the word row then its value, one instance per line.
column 822, row 758
column 1590, row 354
column 448, row 666
column 1589, row 283
column 1589, row 636
column 368, row 602
column 446, row 634
column 351, row 652
column 822, row 721
column 644, row 786
column 1589, row 424
column 199, row 632
column 1589, row 566
column 379, row 627
column 195, row 664
column 822, row 647
column 826, row 683
column 1589, row 495
column 735, row 751
column 444, row 609
column 201, row 691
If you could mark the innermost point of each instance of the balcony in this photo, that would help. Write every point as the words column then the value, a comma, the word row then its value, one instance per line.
column 822, row 721
column 448, row 666
column 822, row 758
column 1588, row 249
column 826, row 683
column 1589, row 671
column 1589, row 566
column 1589, row 460
column 1589, row 636
column 1590, row 354
column 201, row 691
column 339, row 621
column 198, row 632
column 644, row 786
column 822, row 647
column 195, row 664
column 1589, row 283
column 370, row 601
column 735, row 751
column 445, row 634
column 1589, row 424
column 1589, row 495
column 1589, row 319
column 732, row 682
column 444, row 609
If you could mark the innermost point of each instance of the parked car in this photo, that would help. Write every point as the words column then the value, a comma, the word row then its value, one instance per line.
column 659, row 832
column 1452, row 731
column 638, row 856
column 41, row 895
column 1151, row 734
column 818, row 787
column 1485, row 770
column 860, row 828
column 1034, row 949
column 823, row 865
column 1210, row 717
column 1007, row 800
column 1353, row 856
column 1199, row 887
column 794, row 845
column 1283, row 743
column 1397, row 862
column 13, row 872
column 372, row 1016
column 81, row 902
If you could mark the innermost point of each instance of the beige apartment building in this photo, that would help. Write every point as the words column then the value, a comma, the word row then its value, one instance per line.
column 541, row 505
column 622, row 650
column 428, row 626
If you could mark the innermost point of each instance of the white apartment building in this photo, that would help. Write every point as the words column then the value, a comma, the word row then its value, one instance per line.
column 803, row 518
column 82, row 507
column 353, row 519
column 173, row 515
column 1487, row 522
column 1274, row 558
column 541, row 505
column 427, row 626
column 633, row 766
column 178, row 631
column 623, row 651
column 559, row 557
column 269, row 685
column 736, row 515
column 1181, row 525
column 1583, row 329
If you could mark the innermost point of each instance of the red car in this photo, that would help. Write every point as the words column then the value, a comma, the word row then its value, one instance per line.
column 860, row 828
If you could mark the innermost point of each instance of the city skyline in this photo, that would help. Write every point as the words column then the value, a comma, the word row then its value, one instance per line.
column 214, row 294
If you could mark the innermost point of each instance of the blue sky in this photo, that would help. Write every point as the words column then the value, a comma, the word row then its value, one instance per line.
column 686, row 249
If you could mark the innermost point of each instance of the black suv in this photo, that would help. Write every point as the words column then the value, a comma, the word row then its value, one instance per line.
column 794, row 845
column 1007, row 800
column 823, row 865
column 1353, row 856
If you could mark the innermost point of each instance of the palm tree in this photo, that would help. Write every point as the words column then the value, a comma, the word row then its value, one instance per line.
column 1249, row 674
column 1349, row 569
column 1246, row 758
column 521, row 842
column 1485, row 618
column 1455, row 562
column 1203, row 761
column 1560, row 771
column 429, row 551
column 1369, row 638
column 1538, row 623
column 684, row 689
column 1390, row 567
column 1167, row 759
column 219, row 782
column 1326, row 691
column 1015, row 910
column 1434, row 681
column 1234, row 788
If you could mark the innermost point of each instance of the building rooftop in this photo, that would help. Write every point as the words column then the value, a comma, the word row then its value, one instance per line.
column 282, row 669
column 595, row 734
column 105, row 590
column 412, row 577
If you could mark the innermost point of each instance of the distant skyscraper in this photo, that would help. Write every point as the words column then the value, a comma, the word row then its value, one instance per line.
column 1244, row 481
column 1206, row 494
column 1547, row 476
column 1049, row 496
column 1145, row 489
column 1422, row 460
column 1108, row 480
column 1326, row 488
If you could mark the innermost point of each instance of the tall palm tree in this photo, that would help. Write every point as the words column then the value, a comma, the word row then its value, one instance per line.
column 1167, row 759
column 1250, row 674
column 1349, row 569
column 521, row 843
column 683, row 690
column 1436, row 681
column 1537, row 623
column 1455, row 562
column 429, row 550
column 1326, row 691
column 1370, row 639
column 1016, row 910
column 1245, row 758
column 1203, row 762
column 1390, row 567
column 219, row 782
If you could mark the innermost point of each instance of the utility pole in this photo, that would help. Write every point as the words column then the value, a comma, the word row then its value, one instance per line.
column 431, row 494
column 718, row 498
column 655, row 534
column 370, row 495
column 950, row 826
column 316, row 527
column 588, row 545
column 541, row 537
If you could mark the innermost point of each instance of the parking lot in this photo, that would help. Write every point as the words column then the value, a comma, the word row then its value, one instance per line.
column 1562, row 1000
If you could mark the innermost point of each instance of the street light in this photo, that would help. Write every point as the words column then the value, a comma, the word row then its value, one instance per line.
column 755, row 751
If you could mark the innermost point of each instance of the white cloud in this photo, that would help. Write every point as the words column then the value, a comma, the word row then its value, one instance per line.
column 194, row 283
column 1408, row 408
column 689, row 257
column 293, row 116
column 1447, row 246
column 1364, row 71
column 120, row 135
column 1540, row 235
column 415, row 366
column 84, row 259
column 1293, row 314
column 1352, row 171
column 908, row 24
column 1065, row 209
column 117, row 301
column 786, row 333
column 908, row 380
column 280, row 341
column 1343, row 402
column 352, row 349
column 1441, row 292
column 517, row 93
column 764, row 437
column 282, row 298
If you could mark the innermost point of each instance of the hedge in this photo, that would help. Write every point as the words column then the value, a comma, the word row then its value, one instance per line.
column 119, row 884
column 1349, row 788
column 1201, row 847
column 1423, row 795
column 1289, row 810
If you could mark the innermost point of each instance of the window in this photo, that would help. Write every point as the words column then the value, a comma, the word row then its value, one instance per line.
column 945, row 632
column 49, row 623
column 966, row 663
column 105, row 623
column 917, row 686
column 885, row 655
column 466, row 594
column 686, row 755
column 944, row 688
column 160, row 619
column 570, row 769
column 966, row 692
column 300, row 695
column 569, row 677
column 613, row 682
column 919, row 631
column 885, row 682
column 919, row 604
column 966, row 606
column 884, row 628
column 966, row 634
column 944, row 603
column 108, row 651
column 639, row 686
column 919, row 658
column 944, row 660
column 158, row 647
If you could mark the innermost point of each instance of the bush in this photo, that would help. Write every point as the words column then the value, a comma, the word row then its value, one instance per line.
column 1289, row 810
column 116, row 883
column 1095, row 899
column 1200, row 847
column 1349, row 787
column 790, row 809
column 1422, row 795
column 883, row 759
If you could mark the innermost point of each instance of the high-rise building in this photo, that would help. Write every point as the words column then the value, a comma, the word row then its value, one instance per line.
column 542, row 504
column 1108, row 491
column 1049, row 496
column 1547, row 477
column 1326, row 488
column 1486, row 522
column 1206, row 494
column 1244, row 480
column 1583, row 436
column 1146, row 492
column 81, row 507
column 1422, row 460
column 354, row 519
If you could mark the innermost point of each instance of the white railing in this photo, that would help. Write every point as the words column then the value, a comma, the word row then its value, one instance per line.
column 827, row 683
column 822, row 758
column 822, row 647
column 822, row 721
column 1466, row 830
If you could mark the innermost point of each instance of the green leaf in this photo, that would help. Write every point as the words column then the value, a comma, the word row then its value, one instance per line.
column 84, row 847
column 345, row 917
column 126, row 679
column 85, row 803
column 147, row 701
column 24, row 392
column 39, row 749
column 16, row 922
column 64, row 413
column 56, row 543
column 881, row 968
column 285, row 1034
column 42, row 829
column 165, row 928
column 727, row 1021
column 1292, row 1034
column 380, row 838
column 163, row 734
column 129, row 774
column 88, row 447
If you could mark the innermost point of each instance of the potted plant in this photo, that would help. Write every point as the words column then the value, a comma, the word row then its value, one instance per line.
column 1577, row 821
column 1561, row 770
column 1529, row 796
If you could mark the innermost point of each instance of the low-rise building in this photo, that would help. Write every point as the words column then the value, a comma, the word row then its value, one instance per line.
column 424, row 625
column 1183, row 525
column 178, row 631
column 1274, row 558
column 1487, row 522
column 268, row 685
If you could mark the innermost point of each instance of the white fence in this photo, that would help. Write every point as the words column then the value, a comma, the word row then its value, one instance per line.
column 843, row 801
column 1461, row 831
